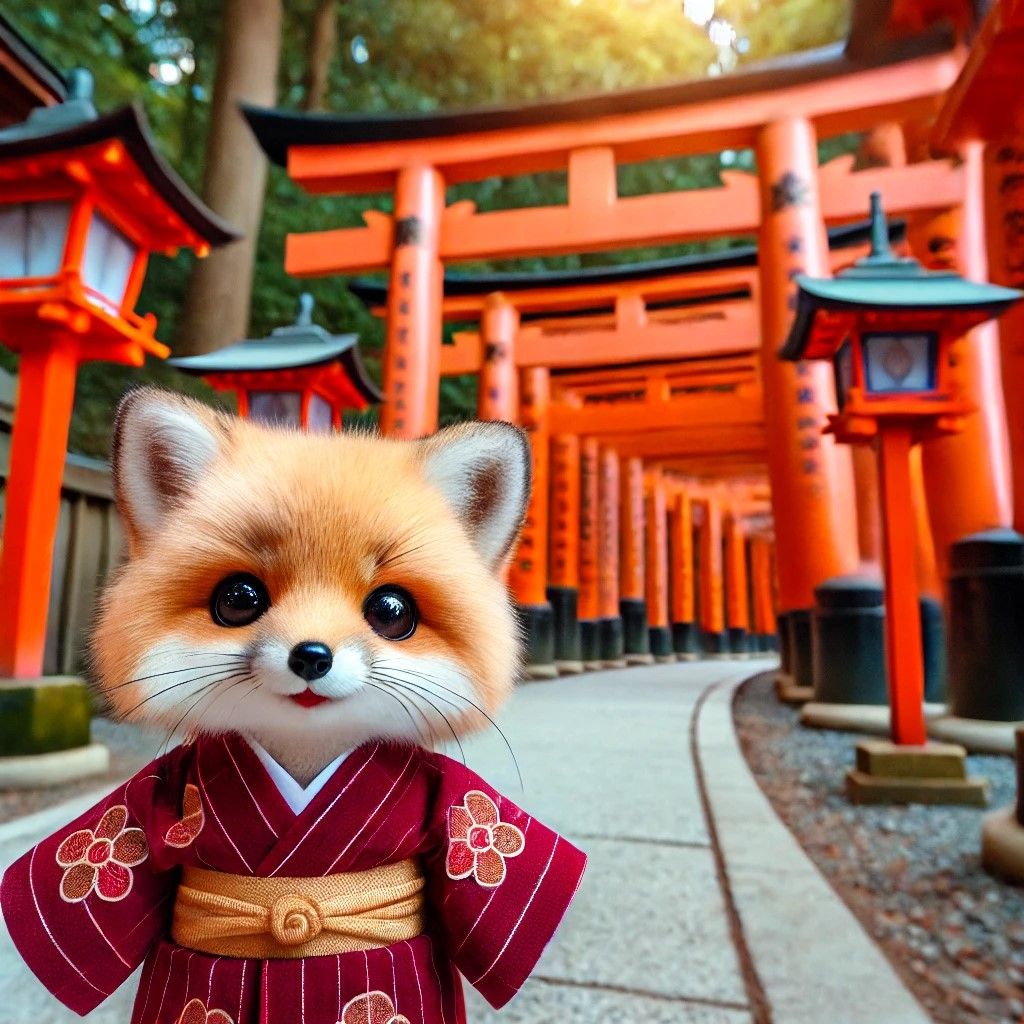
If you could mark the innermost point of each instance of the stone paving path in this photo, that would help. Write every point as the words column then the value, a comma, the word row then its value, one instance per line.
column 655, row 935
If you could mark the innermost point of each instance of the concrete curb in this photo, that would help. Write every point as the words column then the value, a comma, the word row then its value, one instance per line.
column 838, row 974
column 978, row 736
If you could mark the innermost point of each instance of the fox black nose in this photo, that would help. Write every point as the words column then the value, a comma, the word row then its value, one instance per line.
column 310, row 660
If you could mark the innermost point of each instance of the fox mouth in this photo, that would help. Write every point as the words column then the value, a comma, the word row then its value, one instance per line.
column 308, row 699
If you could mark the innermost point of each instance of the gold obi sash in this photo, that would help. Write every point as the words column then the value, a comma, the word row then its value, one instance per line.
column 270, row 918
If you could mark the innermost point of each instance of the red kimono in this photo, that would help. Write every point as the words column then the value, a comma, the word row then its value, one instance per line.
column 88, row 904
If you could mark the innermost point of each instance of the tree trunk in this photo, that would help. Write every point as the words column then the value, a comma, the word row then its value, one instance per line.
column 217, row 302
column 322, row 41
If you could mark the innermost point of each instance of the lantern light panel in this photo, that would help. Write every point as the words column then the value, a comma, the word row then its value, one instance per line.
column 900, row 363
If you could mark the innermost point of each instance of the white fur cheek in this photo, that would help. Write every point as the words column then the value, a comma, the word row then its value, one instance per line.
column 174, row 674
column 438, row 687
column 348, row 674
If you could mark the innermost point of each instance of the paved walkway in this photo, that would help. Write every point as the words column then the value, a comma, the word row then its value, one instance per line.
column 698, row 906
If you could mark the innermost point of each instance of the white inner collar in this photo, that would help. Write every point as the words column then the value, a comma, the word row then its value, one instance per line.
column 295, row 796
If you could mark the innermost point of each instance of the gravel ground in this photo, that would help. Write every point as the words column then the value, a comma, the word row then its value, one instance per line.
column 912, row 875
column 130, row 749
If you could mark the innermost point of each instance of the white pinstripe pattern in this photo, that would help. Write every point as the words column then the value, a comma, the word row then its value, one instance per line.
column 302, row 989
column 529, row 903
column 213, row 809
column 241, row 991
column 167, row 983
column 256, row 802
column 327, row 809
column 394, row 979
column 366, row 957
column 152, row 974
column 103, row 935
column 188, row 978
column 440, row 988
column 370, row 817
column 46, row 928
column 416, row 975
column 339, row 988
column 148, row 914
column 398, row 845
column 209, row 987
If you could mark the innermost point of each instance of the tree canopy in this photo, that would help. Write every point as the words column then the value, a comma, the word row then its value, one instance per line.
column 396, row 55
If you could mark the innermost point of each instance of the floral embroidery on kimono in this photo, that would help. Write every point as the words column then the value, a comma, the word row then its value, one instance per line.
column 372, row 1008
column 479, row 842
column 195, row 1012
column 90, row 903
column 101, row 859
column 183, row 833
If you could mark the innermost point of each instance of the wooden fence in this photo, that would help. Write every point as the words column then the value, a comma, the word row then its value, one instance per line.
column 89, row 544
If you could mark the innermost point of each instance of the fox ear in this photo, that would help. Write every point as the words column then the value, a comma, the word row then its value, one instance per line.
column 162, row 445
column 483, row 470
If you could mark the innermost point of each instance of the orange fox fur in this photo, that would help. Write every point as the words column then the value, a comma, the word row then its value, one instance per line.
column 322, row 520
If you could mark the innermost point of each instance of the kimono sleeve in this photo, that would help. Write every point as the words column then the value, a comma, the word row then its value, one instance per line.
column 499, row 882
column 84, row 905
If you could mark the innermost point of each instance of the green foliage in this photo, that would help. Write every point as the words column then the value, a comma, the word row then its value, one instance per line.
column 420, row 55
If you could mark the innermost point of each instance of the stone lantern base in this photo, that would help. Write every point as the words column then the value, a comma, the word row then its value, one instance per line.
column 936, row 773
column 45, row 733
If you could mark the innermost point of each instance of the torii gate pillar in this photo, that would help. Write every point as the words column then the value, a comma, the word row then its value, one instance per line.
column 498, row 384
column 564, row 574
column 683, row 610
column 811, row 477
column 657, row 569
column 761, row 591
column 528, row 575
column 967, row 475
column 714, row 639
column 632, row 597
column 412, row 355
column 612, row 648
column 737, row 601
column 590, row 529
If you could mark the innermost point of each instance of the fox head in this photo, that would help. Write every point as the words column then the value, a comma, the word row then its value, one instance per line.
column 311, row 591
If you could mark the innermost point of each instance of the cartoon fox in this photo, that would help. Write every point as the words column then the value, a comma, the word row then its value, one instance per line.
column 315, row 612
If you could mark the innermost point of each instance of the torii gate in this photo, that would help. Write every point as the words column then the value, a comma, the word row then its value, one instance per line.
column 780, row 111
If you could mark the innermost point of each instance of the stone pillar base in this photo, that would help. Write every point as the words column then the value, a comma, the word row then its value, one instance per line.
column 789, row 692
column 1002, row 845
column 661, row 644
column 612, row 639
column 537, row 622
column 639, row 659
column 38, row 771
column 569, row 668
column 564, row 602
column 685, row 640
column 936, row 773
column 634, row 629
column 590, row 643
column 714, row 644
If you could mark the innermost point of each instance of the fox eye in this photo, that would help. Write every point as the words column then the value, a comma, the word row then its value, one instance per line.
column 391, row 613
column 238, row 600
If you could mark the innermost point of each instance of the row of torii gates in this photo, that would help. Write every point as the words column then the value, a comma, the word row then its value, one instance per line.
column 685, row 494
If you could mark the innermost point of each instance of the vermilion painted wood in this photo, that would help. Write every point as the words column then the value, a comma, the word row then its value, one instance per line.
column 498, row 388
column 46, row 392
column 761, row 585
column 413, row 350
column 564, row 566
column 683, row 605
column 929, row 583
column 632, row 568
column 897, row 92
column 589, row 605
column 974, row 463
column 657, row 574
column 904, row 658
column 528, row 573
column 812, row 478
column 736, row 585
column 610, row 498
column 712, row 585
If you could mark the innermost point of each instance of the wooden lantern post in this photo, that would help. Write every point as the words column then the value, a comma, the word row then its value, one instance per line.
column 298, row 376
column 887, row 325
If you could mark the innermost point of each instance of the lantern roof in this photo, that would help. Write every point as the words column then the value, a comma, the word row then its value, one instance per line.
column 884, row 282
column 59, row 130
column 300, row 345
column 27, row 79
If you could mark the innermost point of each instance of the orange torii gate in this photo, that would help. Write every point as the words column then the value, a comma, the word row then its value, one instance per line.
column 632, row 316
column 780, row 111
